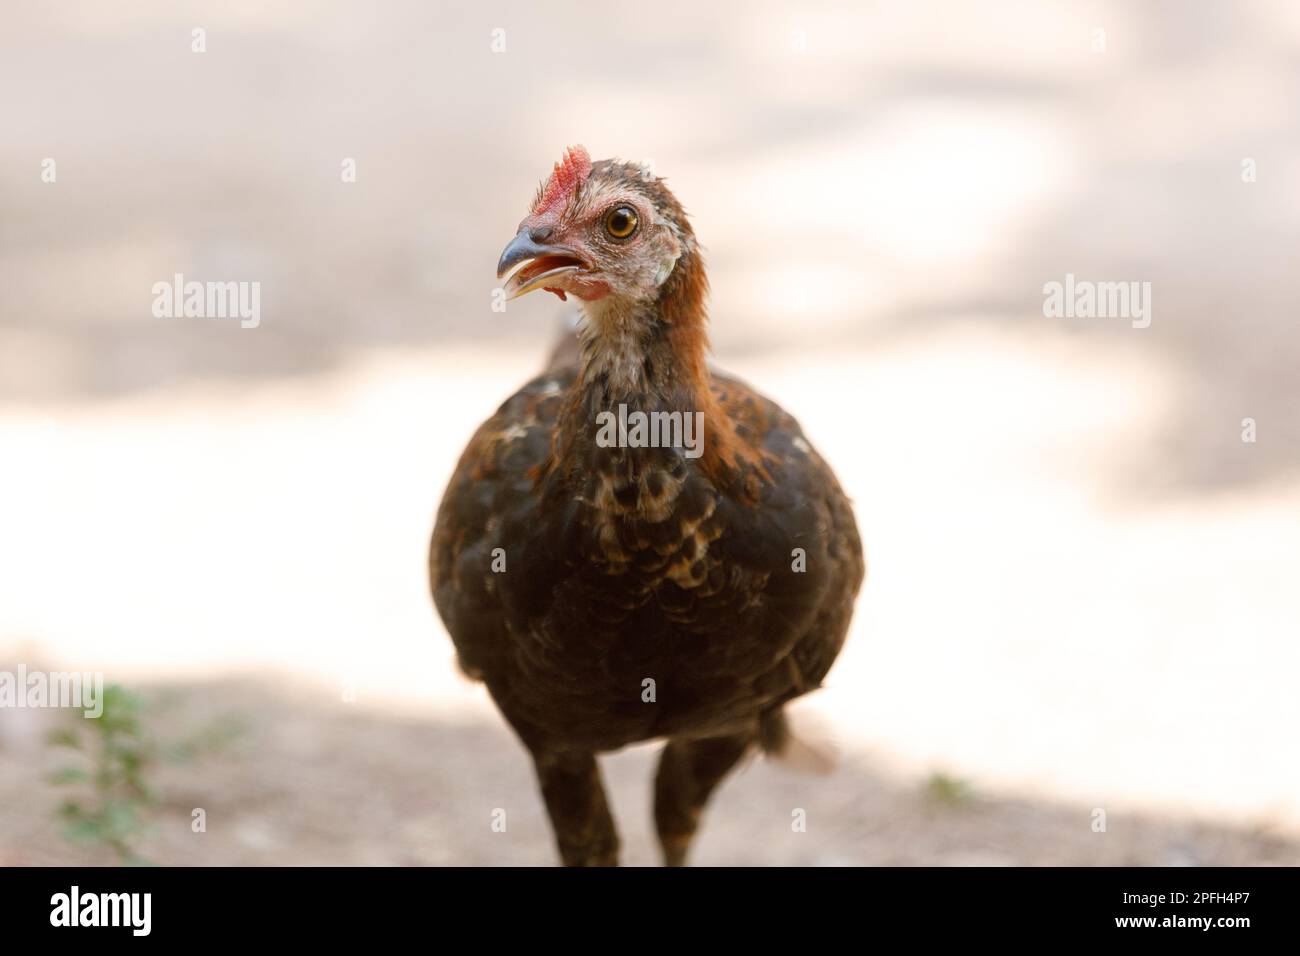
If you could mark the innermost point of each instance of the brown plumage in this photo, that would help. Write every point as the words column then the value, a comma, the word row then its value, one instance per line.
column 613, row 592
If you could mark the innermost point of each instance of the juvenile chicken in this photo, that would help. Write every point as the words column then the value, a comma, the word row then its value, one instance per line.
column 635, row 546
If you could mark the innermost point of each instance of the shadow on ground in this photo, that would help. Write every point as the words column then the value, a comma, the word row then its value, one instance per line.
column 302, row 779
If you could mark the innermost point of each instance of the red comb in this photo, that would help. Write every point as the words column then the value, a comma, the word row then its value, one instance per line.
column 568, row 174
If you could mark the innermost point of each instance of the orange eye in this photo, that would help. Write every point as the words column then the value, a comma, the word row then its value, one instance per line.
column 620, row 222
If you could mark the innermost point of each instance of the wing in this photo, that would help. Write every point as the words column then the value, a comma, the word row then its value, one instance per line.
column 492, row 484
column 794, row 555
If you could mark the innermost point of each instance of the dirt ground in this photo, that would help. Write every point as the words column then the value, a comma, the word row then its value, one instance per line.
column 308, row 782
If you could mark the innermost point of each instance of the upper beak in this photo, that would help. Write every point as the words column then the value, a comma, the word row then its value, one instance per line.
column 562, row 260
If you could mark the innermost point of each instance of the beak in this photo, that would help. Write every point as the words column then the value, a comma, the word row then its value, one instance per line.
column 546, row 262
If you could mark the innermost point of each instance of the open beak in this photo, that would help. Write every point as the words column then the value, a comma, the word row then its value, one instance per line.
column 542, row 265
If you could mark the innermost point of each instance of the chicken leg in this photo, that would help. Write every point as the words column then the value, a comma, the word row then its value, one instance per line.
column 689, row 771
column 575, row 801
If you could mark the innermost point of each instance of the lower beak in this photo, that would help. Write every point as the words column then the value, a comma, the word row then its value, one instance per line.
column 544, row 264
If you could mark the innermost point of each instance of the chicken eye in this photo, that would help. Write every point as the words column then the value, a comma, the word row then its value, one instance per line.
column 620, row 222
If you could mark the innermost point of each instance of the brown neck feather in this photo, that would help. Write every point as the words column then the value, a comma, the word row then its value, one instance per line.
column 651, row 360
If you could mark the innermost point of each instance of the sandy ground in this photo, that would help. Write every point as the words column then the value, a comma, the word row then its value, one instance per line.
column 310, row 781
column 1081, row 589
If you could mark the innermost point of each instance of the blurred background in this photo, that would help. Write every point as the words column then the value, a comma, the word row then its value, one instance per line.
column 1081, row 592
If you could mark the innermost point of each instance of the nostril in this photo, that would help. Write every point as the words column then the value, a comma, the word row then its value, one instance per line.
column 540, row 234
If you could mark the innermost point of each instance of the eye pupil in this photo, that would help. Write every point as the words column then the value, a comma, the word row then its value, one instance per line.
column 621, row 222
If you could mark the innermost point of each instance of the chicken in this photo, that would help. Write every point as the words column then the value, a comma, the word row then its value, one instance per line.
column 635, row 546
